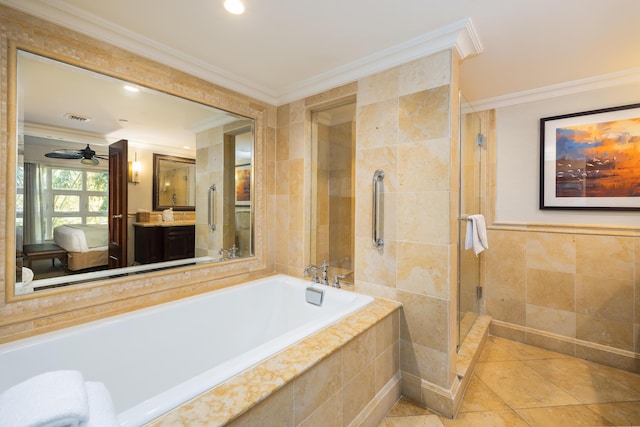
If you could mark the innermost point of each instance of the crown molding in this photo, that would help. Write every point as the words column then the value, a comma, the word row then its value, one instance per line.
column 460, row 35
column 59, row 13
column 620, row 78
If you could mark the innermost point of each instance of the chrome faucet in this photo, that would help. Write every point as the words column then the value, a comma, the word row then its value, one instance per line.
column 314, row 268
column 232, row 252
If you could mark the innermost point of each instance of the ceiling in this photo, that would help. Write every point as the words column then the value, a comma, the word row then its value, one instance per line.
column 282, row 50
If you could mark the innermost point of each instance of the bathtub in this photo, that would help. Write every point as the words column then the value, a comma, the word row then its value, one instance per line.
column 155, row 359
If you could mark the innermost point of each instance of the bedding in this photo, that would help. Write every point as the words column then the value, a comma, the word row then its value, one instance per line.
column 82, row 238
column 87, row 246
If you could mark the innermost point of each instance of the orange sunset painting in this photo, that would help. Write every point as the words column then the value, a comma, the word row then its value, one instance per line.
column 598, row 159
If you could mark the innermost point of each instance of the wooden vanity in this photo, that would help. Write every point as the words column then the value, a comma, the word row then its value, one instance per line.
column 164, row 241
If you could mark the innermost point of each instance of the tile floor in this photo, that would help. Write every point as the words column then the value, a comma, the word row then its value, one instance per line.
column 519, row 385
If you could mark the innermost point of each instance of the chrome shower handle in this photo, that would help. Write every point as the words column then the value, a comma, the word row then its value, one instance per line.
column 212, row 207
column 377, row 208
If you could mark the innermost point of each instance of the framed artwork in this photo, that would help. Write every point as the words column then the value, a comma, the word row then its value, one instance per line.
column 591, row 160
column 243, row 185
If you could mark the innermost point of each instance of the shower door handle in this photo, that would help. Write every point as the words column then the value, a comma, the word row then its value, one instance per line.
column 212, row 207
column 378, row 209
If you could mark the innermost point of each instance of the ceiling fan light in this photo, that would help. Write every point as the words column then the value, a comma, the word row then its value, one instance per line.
column 92, row 161
column 234, row 6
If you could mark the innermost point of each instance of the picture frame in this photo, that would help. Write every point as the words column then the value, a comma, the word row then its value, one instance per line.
column 591, row 159
column 243, row 185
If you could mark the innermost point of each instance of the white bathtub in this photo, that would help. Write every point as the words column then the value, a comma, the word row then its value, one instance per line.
column 155, row 359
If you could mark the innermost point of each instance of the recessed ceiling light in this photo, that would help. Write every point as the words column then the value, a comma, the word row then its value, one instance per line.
column 131, row 88
column 234, row 6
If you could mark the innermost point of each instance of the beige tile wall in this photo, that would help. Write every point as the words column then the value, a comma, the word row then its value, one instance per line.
column 59, row 308
column 404, row 126
column 581, row 288
column 338, row 390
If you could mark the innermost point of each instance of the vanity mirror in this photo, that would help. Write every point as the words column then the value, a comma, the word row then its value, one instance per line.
column 64, row 107
column 174, row 184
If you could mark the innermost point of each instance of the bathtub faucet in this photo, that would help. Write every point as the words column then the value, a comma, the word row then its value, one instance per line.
column 314, row 268
column 232, row 252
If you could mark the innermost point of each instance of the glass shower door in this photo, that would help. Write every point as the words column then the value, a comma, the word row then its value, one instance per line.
column 471, row 145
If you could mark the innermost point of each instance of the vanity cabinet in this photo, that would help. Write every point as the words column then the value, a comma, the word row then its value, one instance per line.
column 162, row 242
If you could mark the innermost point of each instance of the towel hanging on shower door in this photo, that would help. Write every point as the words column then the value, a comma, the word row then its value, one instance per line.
column 476, row 234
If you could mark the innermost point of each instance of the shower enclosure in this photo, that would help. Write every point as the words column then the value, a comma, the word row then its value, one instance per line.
column 472, row 144
column 333, row 189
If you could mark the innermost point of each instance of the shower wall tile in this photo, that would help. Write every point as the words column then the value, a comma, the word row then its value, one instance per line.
column 424, row 165
column 282, row 178
column 423, row 269
column 380, row 87
column 377, row 125
column 298, row 143
column 591, row 250
column 551, row 289
column 425, row 217
column 551, row 252
column 296, row 177
column 376, row 266
column 424, row 115
column 425, row 73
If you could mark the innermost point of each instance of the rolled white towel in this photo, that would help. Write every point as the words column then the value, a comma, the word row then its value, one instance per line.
column 52, row 399
column 101, row 411
column 476, row 237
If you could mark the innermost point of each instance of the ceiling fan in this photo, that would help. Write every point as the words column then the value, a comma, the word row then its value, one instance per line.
column 87, row 156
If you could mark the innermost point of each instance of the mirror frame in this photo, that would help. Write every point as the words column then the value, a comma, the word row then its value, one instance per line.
column 166, row 80
column 157, row 158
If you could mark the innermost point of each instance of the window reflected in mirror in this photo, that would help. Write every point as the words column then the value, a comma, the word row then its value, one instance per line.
column 67, row 118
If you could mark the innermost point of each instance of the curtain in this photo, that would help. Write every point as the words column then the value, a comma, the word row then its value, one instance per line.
column 34, row 221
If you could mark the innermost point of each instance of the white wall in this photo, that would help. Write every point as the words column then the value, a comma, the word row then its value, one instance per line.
column 518, row 147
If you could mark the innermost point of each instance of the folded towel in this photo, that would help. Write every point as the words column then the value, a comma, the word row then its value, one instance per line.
column 167, row 215
column 52, row 399
column 101, row 411
column 476, row 234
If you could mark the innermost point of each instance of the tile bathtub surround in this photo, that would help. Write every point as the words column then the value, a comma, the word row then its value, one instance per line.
column 519, row 385
column 345, row 373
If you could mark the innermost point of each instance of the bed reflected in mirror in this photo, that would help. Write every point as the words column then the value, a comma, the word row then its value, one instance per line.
column 67, row 118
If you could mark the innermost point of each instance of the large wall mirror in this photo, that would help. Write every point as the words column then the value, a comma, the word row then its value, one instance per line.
column 68, row 121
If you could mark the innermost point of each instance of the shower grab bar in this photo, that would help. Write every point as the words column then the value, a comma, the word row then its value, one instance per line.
column 377, row 199
column 212, row 207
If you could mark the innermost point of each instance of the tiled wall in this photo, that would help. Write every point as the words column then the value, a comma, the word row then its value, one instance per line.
column 59, row 308
column 571, row 289
column 406, row 125
column 342, row 388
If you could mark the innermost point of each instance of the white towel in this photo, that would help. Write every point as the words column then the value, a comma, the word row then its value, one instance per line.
column 52, row 399
column 167, row 215
column 101, row 411
column 476, row 234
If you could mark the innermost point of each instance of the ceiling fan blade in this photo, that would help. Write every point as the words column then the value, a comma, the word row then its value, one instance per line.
column 102, row 157
column 65, row 154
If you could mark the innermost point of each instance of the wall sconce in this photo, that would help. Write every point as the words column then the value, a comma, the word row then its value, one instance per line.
column 134, row 170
